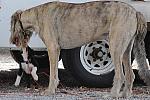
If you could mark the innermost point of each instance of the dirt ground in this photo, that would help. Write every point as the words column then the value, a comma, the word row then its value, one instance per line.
column 69, row 88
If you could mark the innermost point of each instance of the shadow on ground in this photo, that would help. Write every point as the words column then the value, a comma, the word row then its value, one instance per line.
column 66, row 79
column 7, row 78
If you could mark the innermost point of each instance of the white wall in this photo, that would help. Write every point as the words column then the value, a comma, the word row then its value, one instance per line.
column 8, row 7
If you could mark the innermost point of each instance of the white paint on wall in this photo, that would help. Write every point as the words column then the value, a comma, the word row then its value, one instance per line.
column 8, row 7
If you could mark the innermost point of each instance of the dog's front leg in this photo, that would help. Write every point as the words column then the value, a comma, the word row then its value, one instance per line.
column 19, row 75
column 17, row 82
column 33, row 72
column 53, row 52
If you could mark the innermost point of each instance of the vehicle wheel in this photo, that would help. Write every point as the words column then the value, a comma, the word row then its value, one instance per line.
column 91, row 64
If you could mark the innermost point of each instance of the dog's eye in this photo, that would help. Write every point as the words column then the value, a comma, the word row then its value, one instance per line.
column 15, row 40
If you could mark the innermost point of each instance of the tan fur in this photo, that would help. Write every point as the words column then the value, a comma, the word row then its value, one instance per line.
column 66, row 25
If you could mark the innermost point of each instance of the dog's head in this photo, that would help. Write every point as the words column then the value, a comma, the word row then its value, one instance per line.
column 19, row 35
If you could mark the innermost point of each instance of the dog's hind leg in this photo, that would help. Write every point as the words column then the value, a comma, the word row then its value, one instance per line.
column 129, row 75
column 28, row 79
column 116, row 51
column 118, row 78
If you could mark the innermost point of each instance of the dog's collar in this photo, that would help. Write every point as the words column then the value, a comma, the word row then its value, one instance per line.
column 27, row 62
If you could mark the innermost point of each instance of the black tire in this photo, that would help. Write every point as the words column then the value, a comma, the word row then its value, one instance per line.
column 147, row 45
column 72, row 62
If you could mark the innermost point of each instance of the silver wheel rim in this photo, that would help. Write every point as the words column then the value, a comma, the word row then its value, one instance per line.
column 95, row 57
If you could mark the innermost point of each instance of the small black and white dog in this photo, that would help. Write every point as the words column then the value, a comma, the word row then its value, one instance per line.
column 28, row 65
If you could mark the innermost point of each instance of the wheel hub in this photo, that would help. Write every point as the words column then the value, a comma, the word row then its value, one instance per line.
column 97, row 54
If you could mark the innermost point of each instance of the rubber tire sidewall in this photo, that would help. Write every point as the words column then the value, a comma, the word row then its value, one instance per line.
column 71, row 61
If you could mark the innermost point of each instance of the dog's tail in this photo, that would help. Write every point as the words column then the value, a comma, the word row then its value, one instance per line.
column 139, row 48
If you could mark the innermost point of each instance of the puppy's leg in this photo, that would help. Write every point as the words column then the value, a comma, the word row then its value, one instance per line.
column 19, row 75
column 28, row 79
column 34, row 75
column 33, row 72
column 17, row 82
column 36, row 85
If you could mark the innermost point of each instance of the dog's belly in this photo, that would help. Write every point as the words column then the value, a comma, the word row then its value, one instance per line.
column 79, row 40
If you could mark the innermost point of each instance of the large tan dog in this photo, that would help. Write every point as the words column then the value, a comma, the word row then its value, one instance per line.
column 66, row 25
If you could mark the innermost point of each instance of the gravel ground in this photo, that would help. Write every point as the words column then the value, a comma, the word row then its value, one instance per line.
column 69, row 88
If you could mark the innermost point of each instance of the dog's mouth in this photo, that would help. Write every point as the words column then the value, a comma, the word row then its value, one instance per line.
column 19, row 40
column 19, row 43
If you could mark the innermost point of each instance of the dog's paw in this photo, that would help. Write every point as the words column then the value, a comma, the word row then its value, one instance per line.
column 48, row 92
column 33, row 73
column 35, row 77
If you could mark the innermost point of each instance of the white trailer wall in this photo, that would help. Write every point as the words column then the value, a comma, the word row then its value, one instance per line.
column 8, row 7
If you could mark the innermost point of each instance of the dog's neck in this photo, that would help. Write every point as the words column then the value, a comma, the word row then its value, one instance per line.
column 25, row 54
